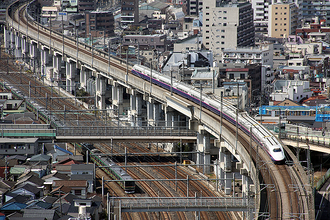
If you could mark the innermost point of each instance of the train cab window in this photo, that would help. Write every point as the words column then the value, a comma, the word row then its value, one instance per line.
column 277, row 150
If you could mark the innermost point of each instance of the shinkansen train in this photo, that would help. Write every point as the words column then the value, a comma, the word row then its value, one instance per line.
column 259, row 133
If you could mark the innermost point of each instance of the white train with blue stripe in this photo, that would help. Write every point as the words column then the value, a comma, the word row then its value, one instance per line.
column 260, row 134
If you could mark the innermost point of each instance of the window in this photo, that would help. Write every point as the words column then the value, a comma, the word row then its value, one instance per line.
column 207, row 13
column 225, row 12
column 222, row 36
column 276, row 19
column 276, row 7
column 275, row 24
column 223, row 31
column 224, row 18
column 206, row 20
column 275, row 29
column 224, row 24
column 222, row 42
column 207, row 25
column 77, row 192
column 242, row 76
column 231, row 76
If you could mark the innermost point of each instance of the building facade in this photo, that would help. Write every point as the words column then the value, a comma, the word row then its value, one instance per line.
column 227, row 25
column 260, row 15
column 192, row 7
column 99, row 23
column 129, row 12
column 283, row 20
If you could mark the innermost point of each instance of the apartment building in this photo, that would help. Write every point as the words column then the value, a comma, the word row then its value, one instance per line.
column 283, row 20
column 192, row 7
column 260, row 15
column 245, row 55
column 312, row 8
column 227, row 25
column 129, row 12
column 86, row 5
column 99, row 23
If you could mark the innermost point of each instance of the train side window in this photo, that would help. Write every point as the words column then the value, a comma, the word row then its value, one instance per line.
column 277, row 150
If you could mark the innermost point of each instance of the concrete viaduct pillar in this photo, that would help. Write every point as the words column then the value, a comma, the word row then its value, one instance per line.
column 70, row 76
column 117, row 98
column 57, row 66
column 150, row 112
column 18, row 47
column 100, row 91
column 226, row 169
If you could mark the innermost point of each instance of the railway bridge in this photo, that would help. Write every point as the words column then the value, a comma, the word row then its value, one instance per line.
column 66, row 63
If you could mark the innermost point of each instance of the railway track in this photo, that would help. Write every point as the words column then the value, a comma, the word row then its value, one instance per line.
column 278, row 201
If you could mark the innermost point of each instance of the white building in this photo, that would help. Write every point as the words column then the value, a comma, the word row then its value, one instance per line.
column 263, row 55
column 260, row 15
column 295, row 90
column 227, row 25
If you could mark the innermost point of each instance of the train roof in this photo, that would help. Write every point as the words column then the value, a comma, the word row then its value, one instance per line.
column 116, row 168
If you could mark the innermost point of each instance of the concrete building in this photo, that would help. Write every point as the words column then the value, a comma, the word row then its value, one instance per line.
column 227, row 25
column 192, row 7
column 147, row 42
column 86, row 5
column 290, row 89
column 205, row 78
column 249, row 55
column 260, row 15
column 263, row 55
column 283, row 20
column 193, row 43
column 18, row 146
column 129, row 12
column 99, row 23
column 312, row 8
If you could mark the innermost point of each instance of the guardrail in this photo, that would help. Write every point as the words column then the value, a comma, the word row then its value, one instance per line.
column 152, row 203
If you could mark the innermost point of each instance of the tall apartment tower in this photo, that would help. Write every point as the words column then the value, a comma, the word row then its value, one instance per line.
column 261, row 12
column 283, row 20
column 227, row 24
column 192, row 7
column 260, row 15
column 129, row 12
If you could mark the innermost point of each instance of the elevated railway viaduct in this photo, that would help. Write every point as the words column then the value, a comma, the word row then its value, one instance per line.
column 289, row 196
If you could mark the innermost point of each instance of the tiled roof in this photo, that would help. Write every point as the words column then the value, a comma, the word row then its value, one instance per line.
column 70, row 183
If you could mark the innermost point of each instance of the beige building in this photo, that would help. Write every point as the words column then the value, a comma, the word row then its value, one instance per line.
column 283, row 20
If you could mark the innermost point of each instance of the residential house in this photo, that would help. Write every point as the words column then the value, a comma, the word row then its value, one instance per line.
column 49, row 179
column 5, row 186
column 77, row 187
column 21, row 146
column 41, row 158
column 84, row 172
column 37, row 213
column 58, row 151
